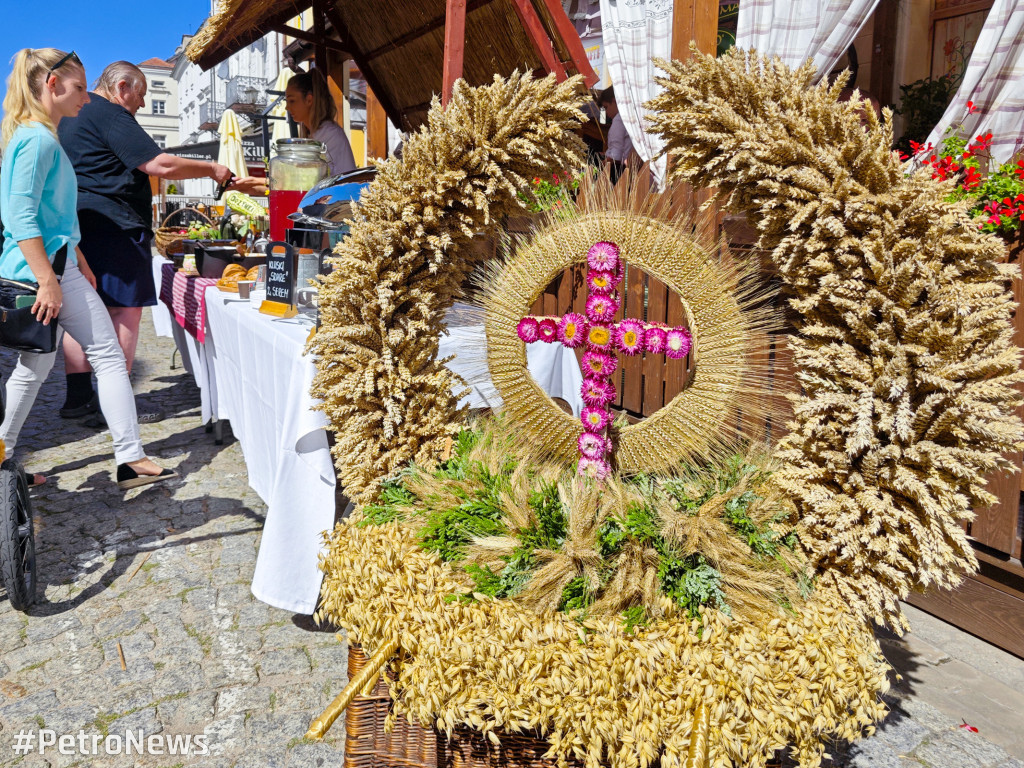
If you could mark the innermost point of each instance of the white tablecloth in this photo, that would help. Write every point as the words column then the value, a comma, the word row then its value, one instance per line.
column 252, row 372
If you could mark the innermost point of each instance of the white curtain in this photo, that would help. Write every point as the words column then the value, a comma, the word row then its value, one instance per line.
column 797, row 30
column 635, row 32
column 994, row 81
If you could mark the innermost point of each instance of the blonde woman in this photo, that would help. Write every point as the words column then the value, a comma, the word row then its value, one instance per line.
column 38, row 196
column 309, row 102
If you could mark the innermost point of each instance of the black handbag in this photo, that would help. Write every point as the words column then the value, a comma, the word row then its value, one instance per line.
column 19, row 328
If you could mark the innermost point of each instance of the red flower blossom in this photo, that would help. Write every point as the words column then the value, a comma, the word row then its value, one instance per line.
column 971, row 109
column 917, row 149
column 972, row 180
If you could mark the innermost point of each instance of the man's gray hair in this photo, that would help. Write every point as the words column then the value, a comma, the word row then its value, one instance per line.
column 106, row 85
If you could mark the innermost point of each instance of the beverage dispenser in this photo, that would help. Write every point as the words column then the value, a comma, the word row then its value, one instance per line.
column 296, row 168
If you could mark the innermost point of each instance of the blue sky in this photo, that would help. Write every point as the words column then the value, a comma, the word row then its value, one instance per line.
column 99, row 31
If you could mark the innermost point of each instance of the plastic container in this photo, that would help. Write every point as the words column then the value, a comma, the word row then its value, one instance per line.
column 296, row 168
column 212, row 260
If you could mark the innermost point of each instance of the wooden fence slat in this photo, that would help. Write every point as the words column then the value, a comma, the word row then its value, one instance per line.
column 632, row 366
column 997, row 526
column 654, row 365
column 677, row 372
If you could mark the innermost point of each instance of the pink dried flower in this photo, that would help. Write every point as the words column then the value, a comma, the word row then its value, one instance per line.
column 603, row 256
column 597, row 392
column 548, row 330
column 592, row 446
column 599, row 364
column 528, row 329
column 601, row 308
column 595, row 419
column 594, row 468
column 602, row 282
column 599, row 337
column 572, row 330
column 677, row 343
column 629, row 337
column 655, row 340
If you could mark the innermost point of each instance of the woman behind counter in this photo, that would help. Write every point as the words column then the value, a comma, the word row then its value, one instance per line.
column 309, row 102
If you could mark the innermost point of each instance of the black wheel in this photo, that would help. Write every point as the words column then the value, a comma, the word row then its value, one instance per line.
column 17, row 539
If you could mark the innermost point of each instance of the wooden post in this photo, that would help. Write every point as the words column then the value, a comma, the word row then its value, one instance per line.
column 696, row 21
column 320, row 34
column 454, row 46
column 883, row 54
column 376, row 127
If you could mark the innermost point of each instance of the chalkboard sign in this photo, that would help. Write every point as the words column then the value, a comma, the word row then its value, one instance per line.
column 280, row 273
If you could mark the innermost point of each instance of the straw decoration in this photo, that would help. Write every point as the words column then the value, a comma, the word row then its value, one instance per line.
column 390, row 400
column 905, row 352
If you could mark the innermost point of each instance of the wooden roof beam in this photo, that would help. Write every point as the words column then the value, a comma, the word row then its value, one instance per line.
column 308, row 37
column 219, row 53
column 572, row 41
column 454, row 46
column 539, row 37
column 341, row 29
column 419, row 32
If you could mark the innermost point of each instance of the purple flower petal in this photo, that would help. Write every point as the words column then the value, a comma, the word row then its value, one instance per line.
column 572, row 330
column 528, row 329
column 603, row 256
column 629, row 337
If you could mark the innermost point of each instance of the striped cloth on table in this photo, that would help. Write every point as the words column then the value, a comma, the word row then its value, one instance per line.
column 994, row 81
column 184, row 295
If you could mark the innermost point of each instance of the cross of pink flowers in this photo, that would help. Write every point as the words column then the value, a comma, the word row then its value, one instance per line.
column 604, row 339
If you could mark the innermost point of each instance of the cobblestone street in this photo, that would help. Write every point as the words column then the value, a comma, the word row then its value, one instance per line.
column 164, row 572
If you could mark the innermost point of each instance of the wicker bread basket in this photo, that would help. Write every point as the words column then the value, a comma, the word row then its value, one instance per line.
column 168, row 239
column 414, row 746
column 410, row 745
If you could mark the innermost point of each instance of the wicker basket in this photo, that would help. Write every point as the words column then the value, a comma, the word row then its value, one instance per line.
column 413, row 746
column 168, row 239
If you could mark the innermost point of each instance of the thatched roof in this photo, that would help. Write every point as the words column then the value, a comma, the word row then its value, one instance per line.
column 399, row 44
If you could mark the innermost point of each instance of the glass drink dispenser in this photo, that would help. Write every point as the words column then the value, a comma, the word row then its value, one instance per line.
column 298, row 165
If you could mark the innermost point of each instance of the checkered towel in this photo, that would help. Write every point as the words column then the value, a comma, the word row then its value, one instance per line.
column 184, row 295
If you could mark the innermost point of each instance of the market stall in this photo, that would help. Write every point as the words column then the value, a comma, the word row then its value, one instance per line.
column 252, row 372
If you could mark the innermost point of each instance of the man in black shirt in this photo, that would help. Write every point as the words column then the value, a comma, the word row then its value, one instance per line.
column 113, row 158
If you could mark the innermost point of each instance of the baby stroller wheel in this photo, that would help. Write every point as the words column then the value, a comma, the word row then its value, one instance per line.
column 17, row 539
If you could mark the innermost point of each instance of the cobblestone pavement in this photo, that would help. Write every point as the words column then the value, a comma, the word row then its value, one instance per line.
column 164, row 572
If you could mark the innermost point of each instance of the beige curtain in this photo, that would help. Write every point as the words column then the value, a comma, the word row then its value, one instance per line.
column 797, row 30
column 635, row 32
column 994, row 81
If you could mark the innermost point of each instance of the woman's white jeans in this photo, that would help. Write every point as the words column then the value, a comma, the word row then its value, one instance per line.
column 84, row 317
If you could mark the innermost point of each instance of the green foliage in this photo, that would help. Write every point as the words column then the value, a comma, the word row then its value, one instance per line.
column 576, row 596
column 552, row 526
column 554, row 194
column 691, row 583
column 634, row 617
column 472, row 509
column 448, row 531
column 922, row 104
column 394, row 500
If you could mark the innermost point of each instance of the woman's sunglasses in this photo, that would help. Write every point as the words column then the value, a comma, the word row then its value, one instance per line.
column 62, row 62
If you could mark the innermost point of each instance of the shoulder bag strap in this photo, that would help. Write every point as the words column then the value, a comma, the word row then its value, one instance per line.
column 60, row 260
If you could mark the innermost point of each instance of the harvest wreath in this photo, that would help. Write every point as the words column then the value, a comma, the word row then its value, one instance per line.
column 666, row 592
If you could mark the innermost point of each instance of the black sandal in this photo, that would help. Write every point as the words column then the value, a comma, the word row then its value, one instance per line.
column 128, row 478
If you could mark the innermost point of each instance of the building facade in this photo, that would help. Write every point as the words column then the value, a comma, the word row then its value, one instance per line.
column 159, row 117
column 239, row 83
